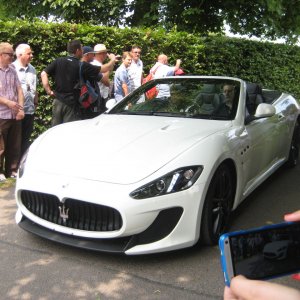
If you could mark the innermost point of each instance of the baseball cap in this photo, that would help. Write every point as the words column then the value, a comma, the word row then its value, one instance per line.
column 87, row 50
column 100, row 48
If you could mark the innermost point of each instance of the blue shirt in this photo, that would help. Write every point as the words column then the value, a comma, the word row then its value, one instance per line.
column 121, row 76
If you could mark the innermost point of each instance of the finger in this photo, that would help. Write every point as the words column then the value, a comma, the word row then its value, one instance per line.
column 15, row 109
column 228, row 295
column 260, row 290
column 111, row 56
column 292, row 217
column 247, row 289
column 17, row 105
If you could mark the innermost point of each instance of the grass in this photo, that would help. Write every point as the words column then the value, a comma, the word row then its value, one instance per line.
column 7, row 183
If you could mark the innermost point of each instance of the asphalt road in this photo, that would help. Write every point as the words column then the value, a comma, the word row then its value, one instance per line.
column 34, row 268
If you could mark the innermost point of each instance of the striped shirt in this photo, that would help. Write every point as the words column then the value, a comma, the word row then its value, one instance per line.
column 9, row 83
column 28, row 80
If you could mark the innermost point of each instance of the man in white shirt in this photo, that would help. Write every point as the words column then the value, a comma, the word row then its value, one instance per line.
column 135, row 70
column 162, row 69
column 28, row 78
column 100, row 56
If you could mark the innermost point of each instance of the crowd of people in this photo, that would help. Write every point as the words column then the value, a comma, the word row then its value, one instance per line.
column 19, row 97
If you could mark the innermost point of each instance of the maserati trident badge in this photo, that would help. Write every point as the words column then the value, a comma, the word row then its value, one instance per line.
column 64, row 213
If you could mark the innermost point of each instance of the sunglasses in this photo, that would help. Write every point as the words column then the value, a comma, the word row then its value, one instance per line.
column 9, row 54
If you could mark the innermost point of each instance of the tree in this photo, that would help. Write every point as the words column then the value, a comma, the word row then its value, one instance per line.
column 144, row 13
column 263, row 18
column 109, row 12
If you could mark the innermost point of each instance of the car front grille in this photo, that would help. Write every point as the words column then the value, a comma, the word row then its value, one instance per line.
column 72, row 213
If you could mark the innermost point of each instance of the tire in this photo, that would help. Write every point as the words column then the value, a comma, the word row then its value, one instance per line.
column 294, row 149
column 217, row 206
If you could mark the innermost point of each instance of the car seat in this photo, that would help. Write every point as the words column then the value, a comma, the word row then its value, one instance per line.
column 208, row 100
column 253, row 97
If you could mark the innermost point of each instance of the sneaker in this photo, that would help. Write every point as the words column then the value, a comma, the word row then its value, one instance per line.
column 2, row 178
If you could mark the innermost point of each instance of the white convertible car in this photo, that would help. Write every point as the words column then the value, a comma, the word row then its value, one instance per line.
column 160, row 174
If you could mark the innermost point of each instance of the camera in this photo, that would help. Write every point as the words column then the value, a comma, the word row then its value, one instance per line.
column 118, row 57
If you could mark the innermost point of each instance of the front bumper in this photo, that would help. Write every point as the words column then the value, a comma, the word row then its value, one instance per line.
column 160, row 228
column 146, row 226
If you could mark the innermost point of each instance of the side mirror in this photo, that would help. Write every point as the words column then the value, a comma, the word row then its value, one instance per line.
column 264, row 110
column 110, row 103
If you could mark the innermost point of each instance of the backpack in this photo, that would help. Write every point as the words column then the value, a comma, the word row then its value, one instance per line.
column 153, row 92
column 88, row 95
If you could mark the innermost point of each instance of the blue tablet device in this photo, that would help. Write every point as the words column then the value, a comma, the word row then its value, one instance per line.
column 261, row 253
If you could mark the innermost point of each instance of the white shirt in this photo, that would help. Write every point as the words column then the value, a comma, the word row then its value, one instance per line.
column 104, row 90
column 28, row 79
column 135, row 72
column 162, row 71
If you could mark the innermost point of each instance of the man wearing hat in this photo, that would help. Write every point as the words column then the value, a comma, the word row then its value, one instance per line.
column 88, row 54
column 99, row 58
column 98, row 106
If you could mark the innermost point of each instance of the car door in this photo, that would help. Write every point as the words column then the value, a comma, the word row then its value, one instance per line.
column 284, row 126
column 263, row 138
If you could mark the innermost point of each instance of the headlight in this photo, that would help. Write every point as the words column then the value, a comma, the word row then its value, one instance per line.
column 178, row 180
column 22, row 164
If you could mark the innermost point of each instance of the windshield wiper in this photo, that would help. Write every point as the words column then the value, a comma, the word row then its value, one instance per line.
column 130, row 112
column 167, row 114
column 200, row 116
column 214, row 117
column 208, row 117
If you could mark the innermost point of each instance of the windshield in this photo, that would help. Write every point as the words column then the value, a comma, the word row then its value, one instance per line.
column 215, row 99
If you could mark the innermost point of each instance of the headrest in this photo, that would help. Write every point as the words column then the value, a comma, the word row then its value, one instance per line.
column 207, row 98
column 253, row 88
column 210, row 88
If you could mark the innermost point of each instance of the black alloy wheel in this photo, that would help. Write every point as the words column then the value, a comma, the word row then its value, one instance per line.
column 217, row 206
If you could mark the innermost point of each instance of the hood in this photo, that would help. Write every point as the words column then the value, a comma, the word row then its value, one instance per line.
column 117, row 149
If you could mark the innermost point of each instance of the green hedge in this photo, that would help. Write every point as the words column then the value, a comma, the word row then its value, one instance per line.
column 275, row 66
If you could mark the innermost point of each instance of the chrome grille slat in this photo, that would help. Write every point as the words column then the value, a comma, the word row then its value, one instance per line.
column 81, row 215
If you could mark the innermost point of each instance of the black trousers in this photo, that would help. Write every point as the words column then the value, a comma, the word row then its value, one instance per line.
column 27, row 129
